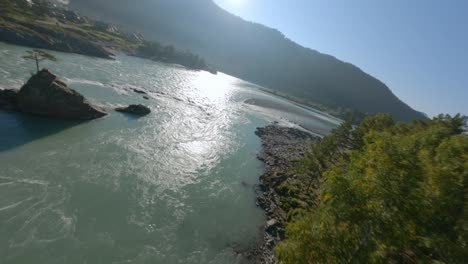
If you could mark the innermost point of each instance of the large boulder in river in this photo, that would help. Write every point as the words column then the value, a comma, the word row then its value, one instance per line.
column 134, row 109
column 45, row 95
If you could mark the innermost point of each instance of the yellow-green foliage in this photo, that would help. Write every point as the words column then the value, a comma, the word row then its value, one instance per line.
column 398, row 194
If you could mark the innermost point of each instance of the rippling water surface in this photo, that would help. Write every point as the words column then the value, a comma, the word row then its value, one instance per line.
column 172, row 187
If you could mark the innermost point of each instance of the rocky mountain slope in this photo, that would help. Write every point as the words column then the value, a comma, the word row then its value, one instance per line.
column 253, row 52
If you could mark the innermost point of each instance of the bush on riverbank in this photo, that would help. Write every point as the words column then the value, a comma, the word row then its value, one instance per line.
column 386, row 192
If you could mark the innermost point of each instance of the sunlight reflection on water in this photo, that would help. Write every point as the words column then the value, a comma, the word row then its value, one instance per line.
column 165, row 188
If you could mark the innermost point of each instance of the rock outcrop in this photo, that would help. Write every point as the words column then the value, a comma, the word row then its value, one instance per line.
column 282, row 147
column 45, row 95
column 45, row 38
column 134, row 109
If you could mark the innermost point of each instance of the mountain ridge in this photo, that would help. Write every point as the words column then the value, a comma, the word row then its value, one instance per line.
column 254, row 52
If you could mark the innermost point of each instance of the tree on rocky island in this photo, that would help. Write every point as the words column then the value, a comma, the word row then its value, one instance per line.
column 38, row 56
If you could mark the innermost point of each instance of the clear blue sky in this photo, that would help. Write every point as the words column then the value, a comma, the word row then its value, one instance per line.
column 419, row 48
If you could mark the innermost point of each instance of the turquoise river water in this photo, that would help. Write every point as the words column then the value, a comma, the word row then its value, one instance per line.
column 176, row 186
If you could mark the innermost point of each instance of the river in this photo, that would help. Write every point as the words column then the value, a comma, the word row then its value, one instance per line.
column 176, row 186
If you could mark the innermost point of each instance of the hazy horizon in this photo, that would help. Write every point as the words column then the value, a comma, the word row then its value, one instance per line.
column 416, row 48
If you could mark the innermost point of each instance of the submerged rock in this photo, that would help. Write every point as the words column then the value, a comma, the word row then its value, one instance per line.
column 134, row 109
column 45, row 95
column 138, row 91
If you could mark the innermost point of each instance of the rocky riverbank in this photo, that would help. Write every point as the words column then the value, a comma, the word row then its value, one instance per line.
column 56, row 32
column 282, row 148
column 55, row 28
column 44, row 38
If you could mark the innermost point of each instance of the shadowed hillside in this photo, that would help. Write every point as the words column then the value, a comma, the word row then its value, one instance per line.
column 253, row 52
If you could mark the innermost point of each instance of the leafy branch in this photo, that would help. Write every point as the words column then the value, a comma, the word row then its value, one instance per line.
column 38, row 56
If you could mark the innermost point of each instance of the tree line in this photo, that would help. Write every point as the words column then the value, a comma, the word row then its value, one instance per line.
column 381, row 192
column 159, row 52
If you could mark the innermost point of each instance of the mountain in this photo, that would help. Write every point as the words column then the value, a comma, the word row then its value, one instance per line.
column 252, row 52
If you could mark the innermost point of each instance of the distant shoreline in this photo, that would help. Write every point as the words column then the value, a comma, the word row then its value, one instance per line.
column 64, row 30
column 321, row 117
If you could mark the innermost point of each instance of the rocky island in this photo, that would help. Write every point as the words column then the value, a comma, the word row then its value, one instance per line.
column 45, row 95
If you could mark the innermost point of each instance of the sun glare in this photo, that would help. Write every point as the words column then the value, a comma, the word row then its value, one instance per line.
column 237, row 2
